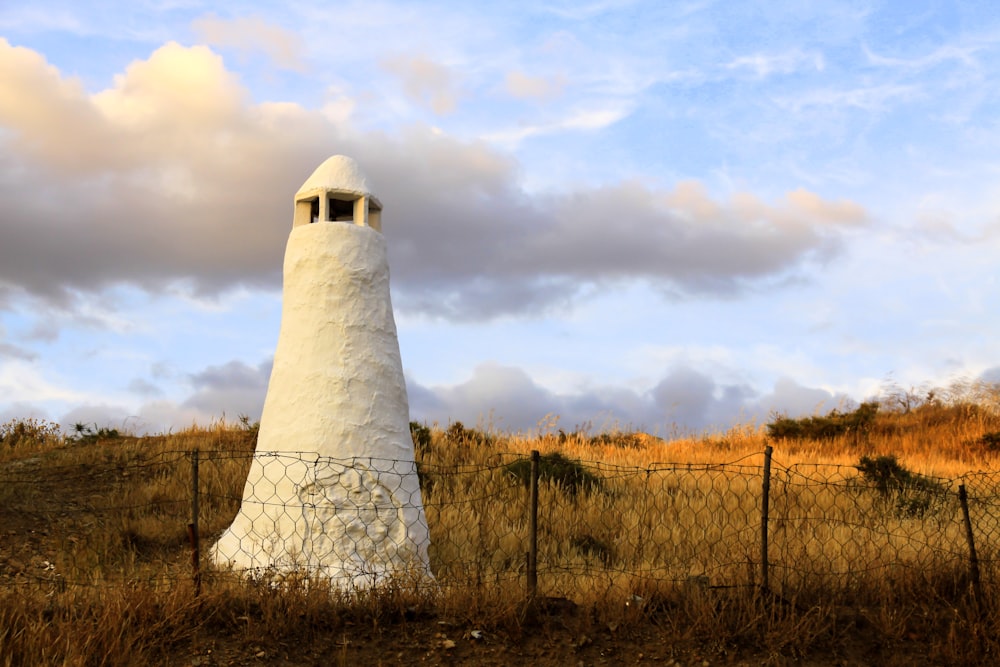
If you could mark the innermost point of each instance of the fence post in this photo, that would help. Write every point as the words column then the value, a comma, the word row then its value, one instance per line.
column 533, row 529
column 193, row 536
column 765, row 503
column 963, row 499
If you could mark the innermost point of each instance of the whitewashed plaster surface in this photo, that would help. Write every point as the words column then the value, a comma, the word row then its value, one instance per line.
column 333, row 489
column 338, row 173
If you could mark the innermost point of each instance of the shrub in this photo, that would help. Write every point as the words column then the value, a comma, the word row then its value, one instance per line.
column 568, row 475
column 831, row 426
column 623, row 440
column 421, row 436
column 85, row 433
column 458, row 434
column 912, row 494
column 990, row 441
column 22, row 432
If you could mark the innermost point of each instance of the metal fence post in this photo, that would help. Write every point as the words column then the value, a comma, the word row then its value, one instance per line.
column 193, row 526
column 533, row 529
column 963, row 499
column 765, row 503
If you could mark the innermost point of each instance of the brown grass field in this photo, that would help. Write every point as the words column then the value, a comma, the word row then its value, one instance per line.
column 650, row 550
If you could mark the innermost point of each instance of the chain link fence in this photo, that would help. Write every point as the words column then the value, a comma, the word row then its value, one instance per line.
column 553, row 527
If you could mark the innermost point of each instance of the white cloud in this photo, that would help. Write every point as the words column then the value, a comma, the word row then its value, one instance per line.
column 870, row 98
column 159, row 179
column 23, row 382
column 521, row 85
column 40, row 19
column 224, row 391
column 233, row 388
column 580, row 11
column 509, row 399
column 962, row 54
column 21, row 410
column 425, row 82
column 764, row 65
column 10, row 351
column 253, row 34
column 585, row 120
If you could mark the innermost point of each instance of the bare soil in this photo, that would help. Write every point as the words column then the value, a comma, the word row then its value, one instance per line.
column 550, row 643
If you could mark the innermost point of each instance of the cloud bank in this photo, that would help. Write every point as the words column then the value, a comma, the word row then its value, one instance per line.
column 173, row 175
column 495, row 396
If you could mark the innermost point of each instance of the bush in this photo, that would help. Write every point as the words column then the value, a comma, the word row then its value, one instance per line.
column 421, row 436
column 833, row 425
column 23, row 432
column 990, row 441
column 568, row 475
column 84, row 433
column 912, row 494
column 623, row 440
column 458, row 434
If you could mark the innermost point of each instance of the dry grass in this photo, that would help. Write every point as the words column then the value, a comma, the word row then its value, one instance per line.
column 96, row 566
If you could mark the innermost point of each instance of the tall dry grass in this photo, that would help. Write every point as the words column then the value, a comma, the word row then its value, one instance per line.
column 670, row 535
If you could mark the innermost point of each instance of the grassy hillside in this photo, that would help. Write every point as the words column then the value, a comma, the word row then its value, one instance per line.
column 644, row 544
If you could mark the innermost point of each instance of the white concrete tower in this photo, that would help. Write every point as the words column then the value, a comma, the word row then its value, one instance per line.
column 333, row 490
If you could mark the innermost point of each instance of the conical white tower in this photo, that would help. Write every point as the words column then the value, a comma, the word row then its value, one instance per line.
column 333, row 490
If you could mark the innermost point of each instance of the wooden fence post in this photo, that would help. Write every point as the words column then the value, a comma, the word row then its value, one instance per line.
column 764, row 507
column 533, row 529
column 977, row 590
column 193, row 536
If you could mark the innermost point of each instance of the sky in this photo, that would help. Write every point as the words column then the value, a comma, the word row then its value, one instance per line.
column 666, row 216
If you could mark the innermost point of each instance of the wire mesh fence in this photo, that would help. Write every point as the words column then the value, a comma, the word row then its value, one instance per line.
column 545, row 524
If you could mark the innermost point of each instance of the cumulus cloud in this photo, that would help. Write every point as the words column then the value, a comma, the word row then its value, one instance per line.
column 234, row 389
column 154, row 180
column 425, row 81
column 509, row 399
column 991, row 375
column 12, row 351
column 506, row 398
column 173, row 175
column 252, row 34
column 143, row 387
column 98, row 416
column 21, row 381
column 523, row 86
column 224, row 391
column 795, row 400
column 21, row 410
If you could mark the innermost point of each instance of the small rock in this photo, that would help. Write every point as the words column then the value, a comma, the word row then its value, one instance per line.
column 448, row 644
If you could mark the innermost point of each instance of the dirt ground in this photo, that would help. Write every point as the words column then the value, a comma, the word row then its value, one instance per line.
column 431, row 642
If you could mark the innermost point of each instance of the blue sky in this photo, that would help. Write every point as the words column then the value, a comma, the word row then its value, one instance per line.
column 656, row 215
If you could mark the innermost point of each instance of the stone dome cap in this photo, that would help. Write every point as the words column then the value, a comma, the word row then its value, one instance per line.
column 338, row 191
column 338, row 173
